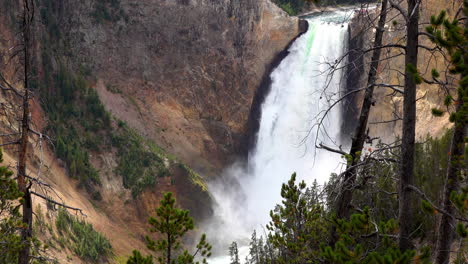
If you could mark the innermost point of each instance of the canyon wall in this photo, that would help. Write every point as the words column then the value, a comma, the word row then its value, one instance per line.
column 388, row 103
column 183, row 73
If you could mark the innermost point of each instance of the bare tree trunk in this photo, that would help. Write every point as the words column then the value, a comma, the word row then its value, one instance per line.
column 26, row 233
column 455, row 165
column 446, row 228
column 169, row 245
column 409, row 126
column 359, row 137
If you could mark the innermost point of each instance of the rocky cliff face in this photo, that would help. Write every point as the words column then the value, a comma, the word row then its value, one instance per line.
column 388, row 103
column 184, row 72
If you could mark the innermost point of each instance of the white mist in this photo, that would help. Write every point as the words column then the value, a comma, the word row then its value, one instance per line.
column 301, row 91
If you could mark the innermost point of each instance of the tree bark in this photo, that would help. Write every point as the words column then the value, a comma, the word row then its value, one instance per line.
column 26, row 233
column 349, row 177
column 409, row 126
column 446, row 224
column 455, row 165
column 169, row 249
column 169, row 243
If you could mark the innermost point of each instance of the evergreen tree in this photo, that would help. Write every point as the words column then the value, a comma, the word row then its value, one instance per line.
column 353, row 245
column 452, row 35
column 234, row 253
column 137, row 258
column 253, row 249
column 172, row 224
column 297, row 226
column 10, row 218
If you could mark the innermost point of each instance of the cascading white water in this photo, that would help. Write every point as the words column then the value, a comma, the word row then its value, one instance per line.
column 302, row 89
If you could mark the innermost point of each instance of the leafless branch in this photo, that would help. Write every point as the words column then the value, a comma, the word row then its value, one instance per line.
column 57, row 203
column 9, row 143
column 424, row 196
column 321, row 146
column 397, row 6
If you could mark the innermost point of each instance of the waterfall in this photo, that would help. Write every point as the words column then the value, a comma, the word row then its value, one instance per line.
column 302, row 89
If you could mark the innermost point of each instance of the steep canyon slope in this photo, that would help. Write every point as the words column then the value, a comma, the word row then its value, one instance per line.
column 185, row 71
column 181, row 74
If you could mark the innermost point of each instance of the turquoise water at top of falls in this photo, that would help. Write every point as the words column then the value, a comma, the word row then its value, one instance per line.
column 310, row 41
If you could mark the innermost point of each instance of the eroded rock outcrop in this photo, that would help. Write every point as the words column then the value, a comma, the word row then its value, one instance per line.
column 183, row 73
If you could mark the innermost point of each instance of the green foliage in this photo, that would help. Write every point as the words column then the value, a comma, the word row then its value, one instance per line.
column 80, row 125
column 295, row 7
column 172, row 224
column 77, row 120
column 50, row 13
column 300, row 225
column 137, row 258
column 448, row 100
column 435, row 74
column 335, row 3
column 351, row 247
column 437, row 112
column 140, row 162
column 452, row 35
column 108, row 10
column 414, row 74
column 288, row 8
column 195, row 177
column 297, row 225
column 11, row 223
column 377, row 189
column 10, row 218
column 86, row 242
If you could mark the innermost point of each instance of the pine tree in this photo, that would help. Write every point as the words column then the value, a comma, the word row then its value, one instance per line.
column 10, row 218
column 172, row 224
column 234, row 253
column 254, row 251
column 297, row 225
column 452, row 35
column 351, row 247
column 137, row 258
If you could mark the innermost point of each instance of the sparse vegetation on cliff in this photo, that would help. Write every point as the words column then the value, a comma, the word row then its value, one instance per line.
column 10, row 218
column 80, row 236
column 296, row 7
column 108, row 10
column 79, row 123
column 140, row 161
column 292, row 7
column 67, row 121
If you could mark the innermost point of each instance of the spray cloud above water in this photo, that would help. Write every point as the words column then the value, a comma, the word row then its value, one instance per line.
column 302, row 89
